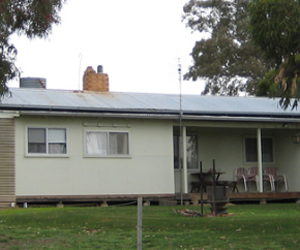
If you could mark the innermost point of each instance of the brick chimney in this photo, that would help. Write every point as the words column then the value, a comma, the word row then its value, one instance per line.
column 93, row 81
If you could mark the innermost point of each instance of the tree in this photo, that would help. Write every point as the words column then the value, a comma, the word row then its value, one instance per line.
column 275, row 26
column 33, row 18
column 225, row 58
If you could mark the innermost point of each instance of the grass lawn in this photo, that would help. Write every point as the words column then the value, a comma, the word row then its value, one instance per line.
column 270, row 226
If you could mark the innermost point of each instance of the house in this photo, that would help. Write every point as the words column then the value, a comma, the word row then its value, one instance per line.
column 60, row 145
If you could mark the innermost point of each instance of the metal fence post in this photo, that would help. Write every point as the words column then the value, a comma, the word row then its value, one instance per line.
column 140, row 224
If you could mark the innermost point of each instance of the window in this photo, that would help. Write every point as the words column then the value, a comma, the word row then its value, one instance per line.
column 48, row 141
column 191, row 154
column 100, row 143
column 251, row 149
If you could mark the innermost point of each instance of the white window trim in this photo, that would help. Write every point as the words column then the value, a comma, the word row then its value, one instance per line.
column 108, row 155
column 46, row 155
column 255, row 162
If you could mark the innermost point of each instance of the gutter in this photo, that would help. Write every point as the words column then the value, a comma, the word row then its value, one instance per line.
column 84, row 109
column 242, row 118
column 102, row 114
column 164, row 116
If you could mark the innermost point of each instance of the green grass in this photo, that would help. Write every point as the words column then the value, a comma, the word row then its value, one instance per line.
column 271, row 226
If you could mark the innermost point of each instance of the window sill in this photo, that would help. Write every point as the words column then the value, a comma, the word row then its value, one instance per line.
column 108, row 156
column 189, row 169
column 255, row 163
column 46, row 156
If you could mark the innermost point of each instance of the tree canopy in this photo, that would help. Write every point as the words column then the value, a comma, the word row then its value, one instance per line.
column 33, row 18
column 226, row 58
column 274, row 27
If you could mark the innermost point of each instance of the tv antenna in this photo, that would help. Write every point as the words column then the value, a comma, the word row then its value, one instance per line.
column 180, row 133
column 79, row 70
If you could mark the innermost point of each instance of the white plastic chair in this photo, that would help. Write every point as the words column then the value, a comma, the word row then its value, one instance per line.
column 253, row 175
column 273, row 172
column 241, row 175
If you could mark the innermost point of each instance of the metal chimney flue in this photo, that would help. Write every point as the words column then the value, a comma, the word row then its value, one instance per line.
column 100, row 69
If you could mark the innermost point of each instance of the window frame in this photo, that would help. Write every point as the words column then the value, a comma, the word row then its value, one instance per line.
column 108, row 155
column 255, row 162
column 27, row 154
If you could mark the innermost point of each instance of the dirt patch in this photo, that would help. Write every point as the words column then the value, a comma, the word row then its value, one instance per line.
column 194, row 213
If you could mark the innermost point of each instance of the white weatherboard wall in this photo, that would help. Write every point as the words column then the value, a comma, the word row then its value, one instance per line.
column 149, row 169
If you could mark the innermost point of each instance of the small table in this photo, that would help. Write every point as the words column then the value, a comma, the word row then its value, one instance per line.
column 231, row 184
column 234, row 186
column 204, row 175
column 203, row 179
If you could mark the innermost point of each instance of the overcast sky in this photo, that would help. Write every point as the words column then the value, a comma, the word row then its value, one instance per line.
column 138, row 43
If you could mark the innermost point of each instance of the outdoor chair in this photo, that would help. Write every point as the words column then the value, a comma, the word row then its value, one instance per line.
column 277, row 178
column 241, row 175
column 253, row 175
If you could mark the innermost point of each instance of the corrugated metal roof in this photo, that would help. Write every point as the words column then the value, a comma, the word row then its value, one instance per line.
column 40, row 99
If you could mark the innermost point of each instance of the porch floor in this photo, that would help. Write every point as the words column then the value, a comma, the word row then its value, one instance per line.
column 195, row 198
